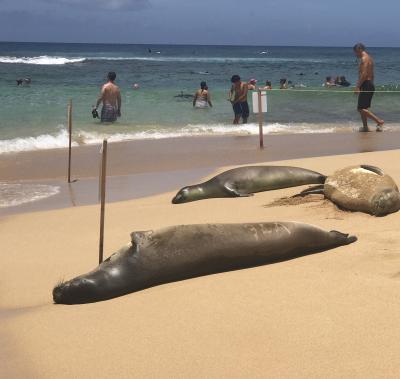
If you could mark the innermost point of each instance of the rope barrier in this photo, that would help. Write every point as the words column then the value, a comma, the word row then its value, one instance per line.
column 326, row 90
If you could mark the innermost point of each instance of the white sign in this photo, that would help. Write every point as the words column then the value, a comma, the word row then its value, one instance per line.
column 264, row 107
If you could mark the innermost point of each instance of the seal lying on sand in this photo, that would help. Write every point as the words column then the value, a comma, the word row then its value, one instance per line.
column 187, row 251
column 361, row 188
column 245, row 181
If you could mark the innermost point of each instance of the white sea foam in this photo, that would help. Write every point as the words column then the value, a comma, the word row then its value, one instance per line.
column 89, row 138
column 82, row 137
column 56, row 60
column 41, row 60
column 42, row 142
column 14, row 194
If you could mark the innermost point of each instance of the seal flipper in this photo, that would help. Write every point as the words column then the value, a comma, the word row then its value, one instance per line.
column 316, row 190
column 374, row 169
column 235, row 193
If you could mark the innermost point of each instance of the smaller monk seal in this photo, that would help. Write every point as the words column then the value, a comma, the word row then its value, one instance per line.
column 187, row 251
column 247, row 180
column 361, row 188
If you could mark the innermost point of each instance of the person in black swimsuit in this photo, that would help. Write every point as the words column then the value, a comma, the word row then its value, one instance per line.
column 365, row 88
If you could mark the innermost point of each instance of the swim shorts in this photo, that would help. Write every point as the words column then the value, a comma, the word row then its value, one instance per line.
column 241, row 109
column 108, row 113
column 365, row 98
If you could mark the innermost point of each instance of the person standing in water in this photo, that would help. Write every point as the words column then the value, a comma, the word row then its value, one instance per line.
column 202, row 97
column 238, row 98
column 365, row 88
column 110, row 96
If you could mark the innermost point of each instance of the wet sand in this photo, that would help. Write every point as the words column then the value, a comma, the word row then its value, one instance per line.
column 144, row 168
column 146, row 156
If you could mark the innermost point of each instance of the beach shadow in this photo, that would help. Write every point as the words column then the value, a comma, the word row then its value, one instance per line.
column 20, row 311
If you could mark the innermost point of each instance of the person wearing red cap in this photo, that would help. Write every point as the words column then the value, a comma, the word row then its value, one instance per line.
column 251, row 85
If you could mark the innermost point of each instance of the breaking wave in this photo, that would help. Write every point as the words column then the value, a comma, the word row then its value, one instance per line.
column 41, row 60
column 60, row 139
column 55, row 60
column 14, row 194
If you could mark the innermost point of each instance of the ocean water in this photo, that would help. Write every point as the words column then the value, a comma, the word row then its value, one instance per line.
column 34, row 117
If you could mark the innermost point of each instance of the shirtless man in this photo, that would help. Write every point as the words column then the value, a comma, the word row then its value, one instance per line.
column 365, row 88
column 110, row 96
column 238, row 98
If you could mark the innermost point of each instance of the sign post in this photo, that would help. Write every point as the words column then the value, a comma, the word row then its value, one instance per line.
column 260, row 107
column 102, row 197
column 69, row 117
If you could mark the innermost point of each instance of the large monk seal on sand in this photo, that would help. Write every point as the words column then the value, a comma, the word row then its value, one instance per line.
column 361, row 188
column 245, row 181
column 187, row 251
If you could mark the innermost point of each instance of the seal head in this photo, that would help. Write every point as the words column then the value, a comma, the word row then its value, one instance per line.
column 188, row 194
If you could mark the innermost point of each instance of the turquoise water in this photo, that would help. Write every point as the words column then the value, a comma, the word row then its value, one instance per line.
column 34, row 117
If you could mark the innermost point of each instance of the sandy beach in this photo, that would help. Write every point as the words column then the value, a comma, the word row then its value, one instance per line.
column 333, row 314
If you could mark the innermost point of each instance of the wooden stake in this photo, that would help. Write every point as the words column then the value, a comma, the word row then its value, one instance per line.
column 69, row 115
column 260, row 120
column 102, row 198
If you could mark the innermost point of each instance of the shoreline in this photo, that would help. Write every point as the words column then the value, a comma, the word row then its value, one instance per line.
column 139, row 169
column 185, row 153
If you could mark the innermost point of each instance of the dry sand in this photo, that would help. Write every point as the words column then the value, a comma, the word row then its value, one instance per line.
column 329, row 315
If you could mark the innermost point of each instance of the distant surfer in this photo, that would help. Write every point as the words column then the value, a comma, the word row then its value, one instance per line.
column 365, row 88
column 26, row 81
column 110, row 96
column 238, row 99
column 202, row 97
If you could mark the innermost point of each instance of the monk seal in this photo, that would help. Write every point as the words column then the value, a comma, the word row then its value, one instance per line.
column 247, row 180
column 361, row 188
column 182, row 252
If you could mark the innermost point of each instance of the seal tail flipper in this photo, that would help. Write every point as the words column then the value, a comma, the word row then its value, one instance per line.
column 316, row 190
column 348, row 239
column 374, row 169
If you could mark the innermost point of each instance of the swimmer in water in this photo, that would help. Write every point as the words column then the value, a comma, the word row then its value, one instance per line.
column 251, row 85
column 202, row 97
column 283, row 84
column 268, row 85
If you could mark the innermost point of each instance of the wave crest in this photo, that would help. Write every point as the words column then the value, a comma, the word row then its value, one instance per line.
column 41, row 60
column 56, row 60
column 60, row 140
column 14, row 194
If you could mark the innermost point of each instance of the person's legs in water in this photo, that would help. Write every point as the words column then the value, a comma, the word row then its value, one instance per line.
column 237, row 110
column 245, row 112
column 367, row 114
column 364, row 120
